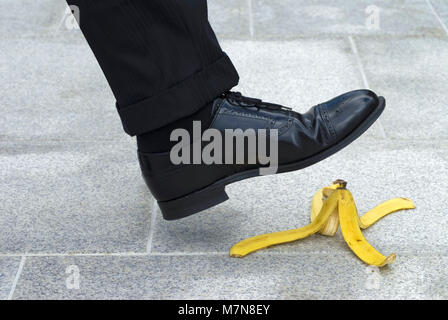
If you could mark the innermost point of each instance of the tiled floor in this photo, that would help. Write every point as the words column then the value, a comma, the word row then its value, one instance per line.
column 72, row 200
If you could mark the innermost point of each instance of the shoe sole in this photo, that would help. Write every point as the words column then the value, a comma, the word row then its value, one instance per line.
column 215, row 194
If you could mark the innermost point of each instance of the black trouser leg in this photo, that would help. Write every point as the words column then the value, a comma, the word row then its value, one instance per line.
column 160, row 57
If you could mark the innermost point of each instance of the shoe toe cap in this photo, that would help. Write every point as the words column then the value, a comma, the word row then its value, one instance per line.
column 349, row 110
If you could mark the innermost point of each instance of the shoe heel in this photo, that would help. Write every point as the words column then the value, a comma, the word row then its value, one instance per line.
column 192, row 203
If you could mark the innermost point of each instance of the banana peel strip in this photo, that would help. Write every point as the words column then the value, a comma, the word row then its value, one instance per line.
column 250, row 245
column 383, row 209
column 352, row 234
column 332, row 206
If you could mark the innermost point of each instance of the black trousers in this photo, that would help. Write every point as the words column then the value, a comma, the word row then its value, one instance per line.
column 161, row 58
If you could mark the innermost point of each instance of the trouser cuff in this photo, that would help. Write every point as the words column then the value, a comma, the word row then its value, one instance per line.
column 181, row 100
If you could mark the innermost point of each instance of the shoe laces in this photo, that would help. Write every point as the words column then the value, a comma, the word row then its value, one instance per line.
column 242, row 101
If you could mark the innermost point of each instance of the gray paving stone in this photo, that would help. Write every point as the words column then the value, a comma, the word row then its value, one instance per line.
column 298, row 276
column 54, row 90
column 49, row 18
column 72, row 197
column 443, row 154
column 8, row 270
column 298, row 74
column 271, row 19
column 441, row 7
column 295, row 73
column 229, row 19
column 413, row 76
column 57, row 91
column 60, row 193
column 285, row 19
column 30, row 18
column 376, row 171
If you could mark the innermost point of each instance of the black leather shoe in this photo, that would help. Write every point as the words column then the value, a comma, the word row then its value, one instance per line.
column 303, row 139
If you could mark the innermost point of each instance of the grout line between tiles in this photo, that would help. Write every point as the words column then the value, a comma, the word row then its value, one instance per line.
column 365, row 81
column 65, row 254
column 188, row 254
column 358, row 61
column 251, row 19
column 16, row 279
column 154, row 213
column 114, row 254
column 434, row 12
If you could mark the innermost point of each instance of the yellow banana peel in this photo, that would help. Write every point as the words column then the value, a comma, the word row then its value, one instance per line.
column 333, row 206
column 266, row 240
